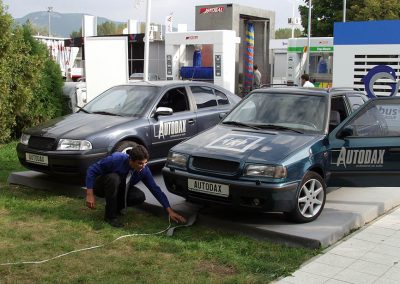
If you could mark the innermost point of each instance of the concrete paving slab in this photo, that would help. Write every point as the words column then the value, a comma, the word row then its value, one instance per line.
column 346, row 209
column 65, row 186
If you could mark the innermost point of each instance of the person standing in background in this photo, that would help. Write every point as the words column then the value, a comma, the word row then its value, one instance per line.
column 305, row 81
column 256, row 77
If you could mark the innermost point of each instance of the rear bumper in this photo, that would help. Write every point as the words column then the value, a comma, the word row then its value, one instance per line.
column 272, row 197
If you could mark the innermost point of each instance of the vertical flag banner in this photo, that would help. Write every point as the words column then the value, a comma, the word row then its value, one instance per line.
column 168, row 23
column 249, row 56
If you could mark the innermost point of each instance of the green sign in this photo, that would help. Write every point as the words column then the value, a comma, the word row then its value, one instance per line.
column 300, row 49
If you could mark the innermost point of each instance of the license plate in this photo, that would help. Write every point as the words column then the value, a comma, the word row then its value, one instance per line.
column 37, row 159
column 208, row 187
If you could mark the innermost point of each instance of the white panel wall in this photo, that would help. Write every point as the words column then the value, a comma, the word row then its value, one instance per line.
column 345, row 63
column 106, row 63
column 89, row 26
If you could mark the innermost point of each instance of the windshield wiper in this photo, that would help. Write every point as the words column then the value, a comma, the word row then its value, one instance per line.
column 277, row 127
column 82, row 109
column 106, row 113
column 232, row 122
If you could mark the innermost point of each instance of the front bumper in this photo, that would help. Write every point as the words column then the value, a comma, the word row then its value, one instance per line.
column 272, row 197
column 71, row 163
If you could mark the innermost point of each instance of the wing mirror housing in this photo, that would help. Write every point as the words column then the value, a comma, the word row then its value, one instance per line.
column 346, row 132
column 222, row 115
column 163, row 111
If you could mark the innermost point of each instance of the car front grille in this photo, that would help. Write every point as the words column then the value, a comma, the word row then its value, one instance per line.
column 215, row 165
column 42, row 143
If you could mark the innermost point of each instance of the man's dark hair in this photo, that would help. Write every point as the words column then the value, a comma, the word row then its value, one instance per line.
column 305, row 77
column 255, row 66
column 138, row 153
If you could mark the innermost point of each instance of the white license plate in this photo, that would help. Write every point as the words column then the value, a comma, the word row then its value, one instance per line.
column 37, row 159
column 208, row 187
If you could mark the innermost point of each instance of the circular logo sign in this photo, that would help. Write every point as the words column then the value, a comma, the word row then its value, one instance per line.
column 377, row 73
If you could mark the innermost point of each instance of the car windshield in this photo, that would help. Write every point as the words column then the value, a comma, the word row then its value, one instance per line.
column 279, row 111
column 124, row 100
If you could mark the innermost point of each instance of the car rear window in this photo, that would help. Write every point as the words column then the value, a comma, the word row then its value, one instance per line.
column 221, row 98
column 204, row 96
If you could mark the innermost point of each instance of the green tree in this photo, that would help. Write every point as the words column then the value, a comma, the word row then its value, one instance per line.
column 47, row 100
column 285, row 33
column 106, row 28
column 75, row 34
column 36, row 29
column 17, row 71
column 375, row 10
column 326, row 12
column 109, row 28
column 27, row 74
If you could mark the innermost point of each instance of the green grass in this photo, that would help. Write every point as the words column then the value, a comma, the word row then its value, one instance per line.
column 37, row 225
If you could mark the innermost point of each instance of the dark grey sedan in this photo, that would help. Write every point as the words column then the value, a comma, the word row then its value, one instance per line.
column 157, row 115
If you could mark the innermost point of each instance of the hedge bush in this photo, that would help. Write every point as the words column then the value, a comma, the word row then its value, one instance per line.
column 30, row 81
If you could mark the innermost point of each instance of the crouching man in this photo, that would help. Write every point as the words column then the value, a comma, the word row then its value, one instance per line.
column 108, row 178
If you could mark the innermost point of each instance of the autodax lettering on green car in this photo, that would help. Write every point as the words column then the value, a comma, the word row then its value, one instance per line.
column 360, row 157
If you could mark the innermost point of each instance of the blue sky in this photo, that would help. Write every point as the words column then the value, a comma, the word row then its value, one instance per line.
column 122, row 10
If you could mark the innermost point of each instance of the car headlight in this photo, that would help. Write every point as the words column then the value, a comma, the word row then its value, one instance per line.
column 25, row 138
column 74, row 145
column 176, row 160
column 271, row 171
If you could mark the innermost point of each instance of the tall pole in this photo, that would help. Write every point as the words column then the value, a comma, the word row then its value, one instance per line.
column 344, row 10
column 146, row 43
column 309, row 37
column 49, row 10
column 293, row 19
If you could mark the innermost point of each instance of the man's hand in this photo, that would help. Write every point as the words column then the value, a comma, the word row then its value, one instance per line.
column 90, row 199
column 175, row 216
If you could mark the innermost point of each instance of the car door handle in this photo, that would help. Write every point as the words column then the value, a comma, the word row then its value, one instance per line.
column 191, row 121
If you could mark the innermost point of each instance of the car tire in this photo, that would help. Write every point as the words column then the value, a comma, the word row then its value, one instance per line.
column 310, row 199
column 124, row 146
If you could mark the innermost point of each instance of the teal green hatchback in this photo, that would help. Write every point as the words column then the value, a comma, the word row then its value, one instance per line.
column 280, row 148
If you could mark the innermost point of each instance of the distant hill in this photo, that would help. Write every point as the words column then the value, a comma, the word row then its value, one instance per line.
column 62, row 25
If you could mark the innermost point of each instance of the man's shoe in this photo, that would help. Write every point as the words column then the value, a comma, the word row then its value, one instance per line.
column 114, row 222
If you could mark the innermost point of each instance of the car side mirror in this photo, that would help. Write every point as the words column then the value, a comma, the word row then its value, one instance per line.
column 346, row 132
column 163, row 111
column 222, row 115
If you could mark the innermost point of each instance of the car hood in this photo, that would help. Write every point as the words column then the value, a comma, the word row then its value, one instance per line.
column 242, row 144
column 77, row 125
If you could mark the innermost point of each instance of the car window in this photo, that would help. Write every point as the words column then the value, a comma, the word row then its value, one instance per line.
column 306, row 113
column 176, row 99
column 355, row 102
column 379, row 120
column 338, row 105
column 132, row 100
column 112, row 101
column 247, row 112
column 204, row 96
column 221, row 98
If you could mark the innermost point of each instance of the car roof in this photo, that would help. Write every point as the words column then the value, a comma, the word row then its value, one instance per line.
column 293, row 90
column 308, row 91
column 169, row 83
